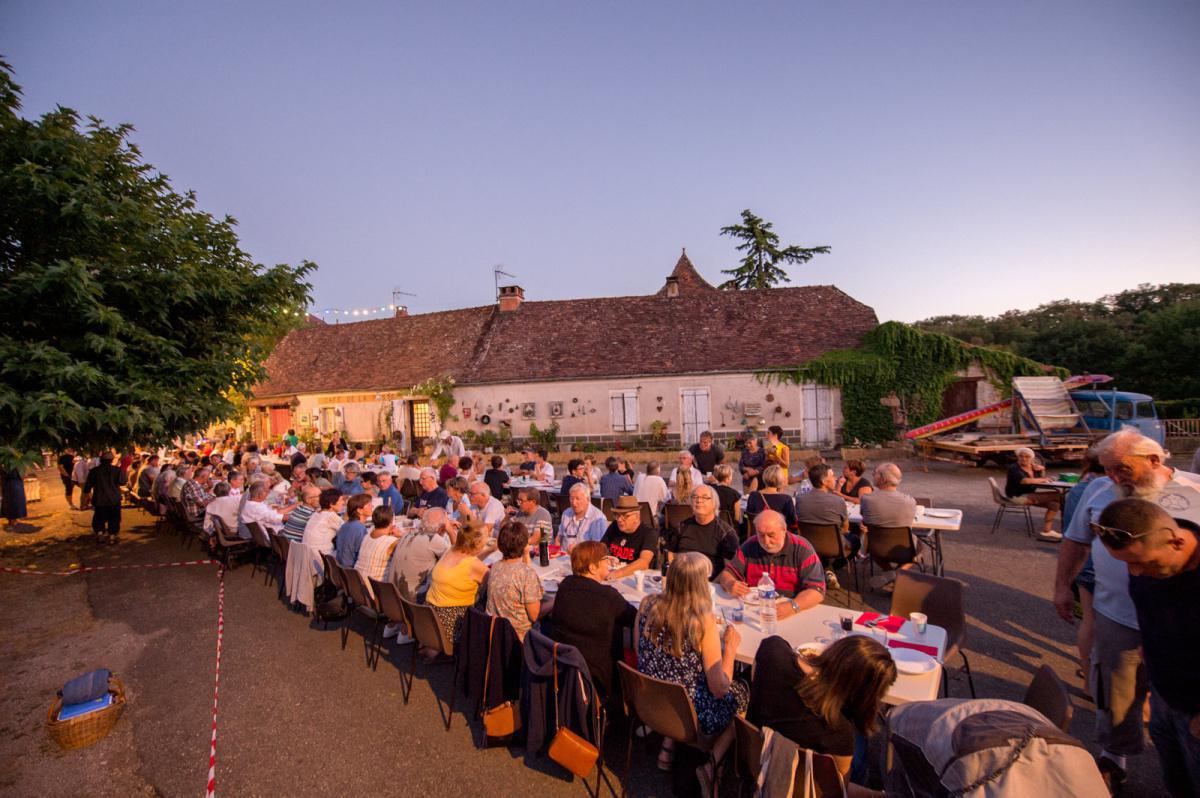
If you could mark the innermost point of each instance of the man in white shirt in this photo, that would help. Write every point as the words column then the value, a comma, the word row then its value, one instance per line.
column 582, row 520
column 256, row 510
column 410, row 470
column 448, row 445
column 542, row 471
column 486, row 507
column 321, row 528
column 224, row 506
column 687, row 463
column 651, row 488
column 336, row 463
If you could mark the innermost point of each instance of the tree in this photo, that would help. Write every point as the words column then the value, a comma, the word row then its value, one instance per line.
column 760, row 266
column 129, row 316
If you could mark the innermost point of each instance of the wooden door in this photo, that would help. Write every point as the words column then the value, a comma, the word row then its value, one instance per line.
column 694, row 413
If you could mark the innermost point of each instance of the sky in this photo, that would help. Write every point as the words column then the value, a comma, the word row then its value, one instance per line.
column 957, row 157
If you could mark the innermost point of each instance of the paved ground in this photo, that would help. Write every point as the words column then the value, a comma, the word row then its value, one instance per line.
column 299, row 716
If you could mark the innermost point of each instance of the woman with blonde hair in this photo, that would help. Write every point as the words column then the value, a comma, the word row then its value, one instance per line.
column 455, row 580
column 681, row 488
column 678, row 641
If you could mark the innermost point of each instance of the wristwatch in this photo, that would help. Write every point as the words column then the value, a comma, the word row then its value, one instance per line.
column 795, row 607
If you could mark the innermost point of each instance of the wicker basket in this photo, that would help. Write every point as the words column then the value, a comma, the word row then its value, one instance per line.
column 86, row 729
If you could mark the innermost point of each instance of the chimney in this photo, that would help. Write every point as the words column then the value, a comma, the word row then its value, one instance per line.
column 511, row 297
column 672, row 286
column 401, row 310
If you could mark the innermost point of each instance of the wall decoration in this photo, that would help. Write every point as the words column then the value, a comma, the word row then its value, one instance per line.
column 770, row 397
column 485, row 419
column 753, row 409
column 788, row 414
column 574, row 400
column 528, row 410
column 556, row 409
column 489, row 408
column 466, row 412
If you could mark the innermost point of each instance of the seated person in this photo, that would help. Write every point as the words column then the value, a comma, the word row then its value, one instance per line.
column 418, row 552
column 514, row 590
column 323, row 526
column 687, row 464
column 822, row 703
column 853, row 485
column 410, row 469
column 772, row 497
column 455, row 581
column 375, row 549
column 651, row 488
column 704, row 532
column 630, row 542
column 536, row 518
column 223, row 506
column 582, row 520
column 351, row 483
column 458, row 505
column 350, row 534
column 886, row 506
column 678, row 641
column 388, row 494
column 573, row 477
column 297, row 520
column 528, row 462
column 731, row 500
column 614, row 484
column 1021, row 486
column 486, row 508
column 431, row 494
column 541, row 469
column 591, row 615
column 793, row 565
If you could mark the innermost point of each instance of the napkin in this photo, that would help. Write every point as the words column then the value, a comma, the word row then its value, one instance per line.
column 930, row 650
column 891, row 624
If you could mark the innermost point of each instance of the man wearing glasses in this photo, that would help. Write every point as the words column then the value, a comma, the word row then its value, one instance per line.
column 1163, row 557
column 1134, row 466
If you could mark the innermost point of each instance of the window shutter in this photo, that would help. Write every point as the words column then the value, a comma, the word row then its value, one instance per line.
column 631, row 411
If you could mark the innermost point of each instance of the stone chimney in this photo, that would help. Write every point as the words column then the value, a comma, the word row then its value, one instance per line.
column 511, row 297
column 672, row 286
column 401, row 310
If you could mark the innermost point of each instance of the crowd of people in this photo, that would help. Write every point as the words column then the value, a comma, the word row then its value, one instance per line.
column 459, row 533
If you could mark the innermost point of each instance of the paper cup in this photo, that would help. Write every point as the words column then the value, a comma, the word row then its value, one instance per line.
column 919, row 621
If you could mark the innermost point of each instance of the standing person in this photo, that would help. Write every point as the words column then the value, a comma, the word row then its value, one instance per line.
column 290, row 439
column 450, row 446
column 66, row 464
column 336, row 444
column 1135, row 467
column 13, row 498
column 104, row 485
column 751, row 463
column 777, row 452
column 707, row 454
column 79, row 475
column 1163, row 557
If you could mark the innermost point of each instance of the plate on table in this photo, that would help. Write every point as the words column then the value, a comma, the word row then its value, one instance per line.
column 911, row 661
column 941, row 513
column 550, row 586
column 811, row 649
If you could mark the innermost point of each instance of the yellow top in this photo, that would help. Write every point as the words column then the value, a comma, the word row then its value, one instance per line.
column 779, row 455
column 452, row 585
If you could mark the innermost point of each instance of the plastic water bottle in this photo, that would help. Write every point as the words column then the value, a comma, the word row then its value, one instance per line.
column 766, row 612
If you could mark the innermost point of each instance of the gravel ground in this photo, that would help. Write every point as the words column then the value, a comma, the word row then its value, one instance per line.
column 299, row 716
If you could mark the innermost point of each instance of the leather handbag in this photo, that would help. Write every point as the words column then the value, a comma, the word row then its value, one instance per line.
column 568, row 748
column 502, row 720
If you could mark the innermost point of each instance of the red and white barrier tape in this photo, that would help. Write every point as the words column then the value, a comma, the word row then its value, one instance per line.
column 89, row 568
column 212, row 750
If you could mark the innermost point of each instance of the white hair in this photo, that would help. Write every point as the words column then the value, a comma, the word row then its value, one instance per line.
column 687, row 454
column 582, row 488
column 483, row 487
column 427, row 471
column 1127, row 440
column 712, row 492
column 433, row 519
column 1023, row 451
column 887, row 474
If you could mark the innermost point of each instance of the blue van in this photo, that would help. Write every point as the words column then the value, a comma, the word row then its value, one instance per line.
column 1108, row 411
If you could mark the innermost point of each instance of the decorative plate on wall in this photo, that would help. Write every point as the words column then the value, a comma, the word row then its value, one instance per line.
column 528, row 410
column 556, row 409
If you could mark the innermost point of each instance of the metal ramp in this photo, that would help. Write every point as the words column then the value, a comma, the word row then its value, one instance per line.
column 1047, row 407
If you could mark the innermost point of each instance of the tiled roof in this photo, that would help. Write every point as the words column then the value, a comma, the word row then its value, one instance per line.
column 703, row 329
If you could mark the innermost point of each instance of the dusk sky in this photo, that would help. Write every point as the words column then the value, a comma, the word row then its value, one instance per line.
column 958, row 157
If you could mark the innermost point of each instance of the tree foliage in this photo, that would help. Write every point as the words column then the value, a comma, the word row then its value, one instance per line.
column 762, row 254
column 1147, row 338
column 129, row 316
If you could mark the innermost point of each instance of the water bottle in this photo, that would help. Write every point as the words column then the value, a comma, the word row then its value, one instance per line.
column 766, row 613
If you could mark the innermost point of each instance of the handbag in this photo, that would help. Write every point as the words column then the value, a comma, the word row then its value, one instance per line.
column 502, row 720
column 568, row 748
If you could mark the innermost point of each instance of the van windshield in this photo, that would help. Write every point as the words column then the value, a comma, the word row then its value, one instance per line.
column 1145, row 410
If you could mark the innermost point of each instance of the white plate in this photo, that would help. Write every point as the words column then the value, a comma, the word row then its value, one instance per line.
column 812, row 646
column 941, row 513
column 909, row 660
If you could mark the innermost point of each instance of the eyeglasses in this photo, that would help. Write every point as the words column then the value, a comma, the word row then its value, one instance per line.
column 1116, row 538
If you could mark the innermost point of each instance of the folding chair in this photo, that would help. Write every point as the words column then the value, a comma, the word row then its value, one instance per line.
column 428, row 633
column 391, row 605
column 941, row 599
column 229, row 545
column 364, row 602
column 1048, row 695
column 1005, row 505
column 830, row 546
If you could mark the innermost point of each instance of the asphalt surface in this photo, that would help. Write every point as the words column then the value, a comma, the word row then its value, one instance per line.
column 299, row 716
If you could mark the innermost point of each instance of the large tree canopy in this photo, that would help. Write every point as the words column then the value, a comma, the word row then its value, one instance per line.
column 1148, row 337
column 762, row 254
column 126, row 314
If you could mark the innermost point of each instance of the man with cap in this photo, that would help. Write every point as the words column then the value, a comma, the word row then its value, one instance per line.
column 104, row 484
column 1163, row 557
column 449, row 445
column 628, row 540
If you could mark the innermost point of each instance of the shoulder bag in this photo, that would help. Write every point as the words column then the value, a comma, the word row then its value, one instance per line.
column 568, row 748
column 502, row 720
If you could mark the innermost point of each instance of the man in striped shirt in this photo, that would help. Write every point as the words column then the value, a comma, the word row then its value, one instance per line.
column 789, row 559
column 310, row 502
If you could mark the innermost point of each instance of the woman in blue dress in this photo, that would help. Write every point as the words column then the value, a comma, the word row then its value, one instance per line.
column 12, row 503
column 678, row 641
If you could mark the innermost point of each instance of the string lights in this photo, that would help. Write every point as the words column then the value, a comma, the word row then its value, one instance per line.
column 356, row 312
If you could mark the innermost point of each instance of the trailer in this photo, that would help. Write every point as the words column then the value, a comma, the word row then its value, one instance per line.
column 1044, row 419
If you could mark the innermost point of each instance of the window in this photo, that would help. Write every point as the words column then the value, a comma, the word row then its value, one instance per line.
column 624, row 410
column 1146, row 410
column 421, row 426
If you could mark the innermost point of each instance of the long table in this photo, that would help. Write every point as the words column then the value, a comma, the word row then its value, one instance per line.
column 819, row 624
column 945, row 519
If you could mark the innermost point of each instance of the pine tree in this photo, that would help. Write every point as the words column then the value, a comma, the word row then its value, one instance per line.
column 760, row 266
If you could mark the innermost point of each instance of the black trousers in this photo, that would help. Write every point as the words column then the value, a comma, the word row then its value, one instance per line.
column 106, row 520
column 68, row 488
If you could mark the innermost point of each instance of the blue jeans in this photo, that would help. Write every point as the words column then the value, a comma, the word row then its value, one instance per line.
column 1178, row 750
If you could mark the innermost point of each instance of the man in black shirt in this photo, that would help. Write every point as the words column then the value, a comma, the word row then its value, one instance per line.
column 628, row 540
column 707, row 454
column 66, row 464
column 705, row 532
column 431, row 494
column 1163, row 555
column 104, row 484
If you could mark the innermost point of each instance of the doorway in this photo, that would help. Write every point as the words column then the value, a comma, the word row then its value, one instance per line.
column 695, row 413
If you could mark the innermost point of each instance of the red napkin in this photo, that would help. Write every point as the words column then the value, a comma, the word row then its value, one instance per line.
column 554, row 550
column 930, row 650
column 891, row 624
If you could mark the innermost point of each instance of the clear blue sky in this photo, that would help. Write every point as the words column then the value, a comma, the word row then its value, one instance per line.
column 958, row 157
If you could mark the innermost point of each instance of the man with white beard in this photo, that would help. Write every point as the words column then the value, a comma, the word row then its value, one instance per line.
column 1135, row 467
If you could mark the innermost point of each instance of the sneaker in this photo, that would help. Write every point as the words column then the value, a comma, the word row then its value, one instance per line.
column 403, row 638
column 391, row 630
column 831, row 581
column 1050, row 537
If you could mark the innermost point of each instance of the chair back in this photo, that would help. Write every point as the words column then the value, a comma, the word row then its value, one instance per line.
column 409, row 489
column 892, row 544
column 997, row 495
column 561, row 504
column 278, row 545
column 727, row 517
column 663, row 706
column 826, row 540
column 940, row 598
column 1048, row 695
column 606, row 507
column 224, row 536
column 749, row 741
column 426, row 629
column 648, row 519
column 258, row 535
column 923, row 501
column 333, row 572
column 356, row 586
column 389, row 600
column 675, row 514
column 544, row 500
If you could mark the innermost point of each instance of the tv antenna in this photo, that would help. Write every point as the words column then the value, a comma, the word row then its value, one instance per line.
column 396, row 294
column 498, row 270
